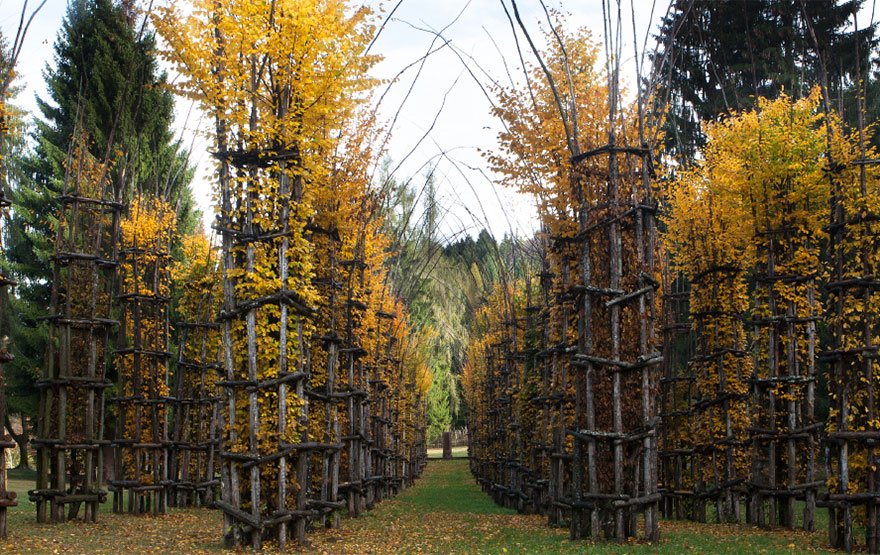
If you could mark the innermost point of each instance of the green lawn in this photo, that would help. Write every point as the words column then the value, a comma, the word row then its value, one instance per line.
column 457, row 452
column 444, row 513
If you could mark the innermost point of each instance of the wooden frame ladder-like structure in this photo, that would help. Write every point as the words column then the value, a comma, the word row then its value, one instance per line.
column 359, row 492
column 614, row 477
column 8, row 498
column 142, row 441
column 675, row 443
column 70, row 431
column 246, row 225
column 784, row 434
column 853, row 289
column 324, row 399
column 195, row 433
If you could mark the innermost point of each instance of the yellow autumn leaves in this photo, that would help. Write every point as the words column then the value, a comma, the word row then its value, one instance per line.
column 748, row 225
column 533, row 155
column 285, row 83
column 146, row 233
column 760, row 170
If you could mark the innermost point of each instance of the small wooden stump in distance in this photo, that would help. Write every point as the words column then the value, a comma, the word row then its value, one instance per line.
column 447, row 446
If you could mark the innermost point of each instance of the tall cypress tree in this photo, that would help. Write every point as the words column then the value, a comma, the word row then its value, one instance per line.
column 105, row 83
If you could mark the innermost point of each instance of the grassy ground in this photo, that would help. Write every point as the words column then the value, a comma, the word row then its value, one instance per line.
column 444, row 513
column 457, row 452
column 447, row 513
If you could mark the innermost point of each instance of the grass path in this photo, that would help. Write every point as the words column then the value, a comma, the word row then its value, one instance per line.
column 445, row 512
column 457, row 452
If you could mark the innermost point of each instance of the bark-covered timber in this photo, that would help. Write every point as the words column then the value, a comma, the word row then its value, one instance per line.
column 195, row 433
column 7, row 497
column 70, row 430
column 675, row 443
column 142, row 440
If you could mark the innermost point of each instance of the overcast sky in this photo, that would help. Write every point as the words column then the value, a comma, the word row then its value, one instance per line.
column 477, row 29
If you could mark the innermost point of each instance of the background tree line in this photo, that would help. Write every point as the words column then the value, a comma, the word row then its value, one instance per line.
column 443, row 279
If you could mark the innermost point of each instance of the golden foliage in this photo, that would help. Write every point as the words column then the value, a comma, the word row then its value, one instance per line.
column 752, row 209
column 146, row 233
column 284, row 81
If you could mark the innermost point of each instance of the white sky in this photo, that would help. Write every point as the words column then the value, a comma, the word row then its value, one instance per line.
column 464, row 126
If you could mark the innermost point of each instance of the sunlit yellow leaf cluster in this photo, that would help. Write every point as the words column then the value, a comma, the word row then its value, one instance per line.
column 534, row 157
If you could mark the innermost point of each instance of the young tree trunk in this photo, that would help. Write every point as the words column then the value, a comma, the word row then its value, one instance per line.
column 21, row 439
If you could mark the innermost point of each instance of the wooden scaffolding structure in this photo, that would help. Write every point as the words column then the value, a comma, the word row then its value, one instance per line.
column 355, row 395
column 614, row 477
column 784, row 433
column 491, row 462
column 322, row 391
column 853, row 290
column 510, row 490
column 70, row 431
column 854, row 435
column 195, row 433
column 561, row 398
column 675, row 442
column 142, row 440
column 533, row 420
column 250, row 513
column 380, row 470
column 8, row 498
column 480, row 440
column 720, row 399
column 541, row 357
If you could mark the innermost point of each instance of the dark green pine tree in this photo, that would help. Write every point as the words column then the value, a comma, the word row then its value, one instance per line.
column 12, row 149
column 719, row 55
column 104, row 82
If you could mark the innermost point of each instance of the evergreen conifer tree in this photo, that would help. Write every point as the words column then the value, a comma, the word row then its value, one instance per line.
column 720, row 55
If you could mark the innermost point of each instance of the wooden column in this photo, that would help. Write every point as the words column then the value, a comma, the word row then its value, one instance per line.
column 70, row 424
column 194, row 418
column 618, row 354
column 142, row 439
column 253, row 226
column 7, row 497
column 785, row 434
column 676, row 445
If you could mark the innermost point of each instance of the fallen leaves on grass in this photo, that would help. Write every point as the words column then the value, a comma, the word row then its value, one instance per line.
column 444, row 513
column 185, row 531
